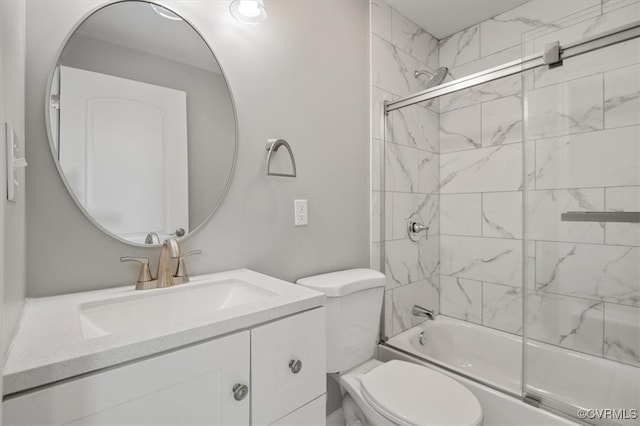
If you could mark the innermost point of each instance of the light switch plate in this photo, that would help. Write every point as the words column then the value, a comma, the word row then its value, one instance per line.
column 301, row 217
column 14, row 162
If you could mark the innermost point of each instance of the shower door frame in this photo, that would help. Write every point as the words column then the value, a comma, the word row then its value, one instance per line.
column 609, row 38
column 550, row 58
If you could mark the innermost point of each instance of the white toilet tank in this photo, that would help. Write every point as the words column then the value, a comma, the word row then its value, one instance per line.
column 354, row 304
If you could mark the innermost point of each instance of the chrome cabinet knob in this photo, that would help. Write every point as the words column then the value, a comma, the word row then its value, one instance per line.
column 240, row 392
column 295, row 365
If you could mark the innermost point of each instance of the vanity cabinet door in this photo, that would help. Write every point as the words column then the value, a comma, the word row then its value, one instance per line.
column 288, row 365
column 191, row 386
column 312, row 414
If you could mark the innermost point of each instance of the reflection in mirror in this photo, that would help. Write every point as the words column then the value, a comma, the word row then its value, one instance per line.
column 142, row 122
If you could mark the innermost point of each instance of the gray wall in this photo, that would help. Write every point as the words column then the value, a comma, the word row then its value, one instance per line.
column 210, row 121
column 12, row 215
column 303, row 76
column 2, row 183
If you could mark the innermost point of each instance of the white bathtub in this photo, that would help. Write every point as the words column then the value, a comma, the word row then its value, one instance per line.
column 495, row 358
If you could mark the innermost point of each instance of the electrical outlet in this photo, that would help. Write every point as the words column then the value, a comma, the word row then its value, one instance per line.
column 301, row 217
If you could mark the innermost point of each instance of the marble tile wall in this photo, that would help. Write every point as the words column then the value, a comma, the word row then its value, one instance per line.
column 583, row 153
column 458, row 163
column 410, row 157
column 481, row 197
column 498, row 40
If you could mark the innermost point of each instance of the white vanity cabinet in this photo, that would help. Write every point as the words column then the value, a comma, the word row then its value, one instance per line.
column 288, row 366
column 191, row 386
column 201, row 384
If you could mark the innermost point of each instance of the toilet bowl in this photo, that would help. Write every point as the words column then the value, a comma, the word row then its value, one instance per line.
column 378, row 393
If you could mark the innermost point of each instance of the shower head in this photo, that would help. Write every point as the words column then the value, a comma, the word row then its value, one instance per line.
column 435, row 78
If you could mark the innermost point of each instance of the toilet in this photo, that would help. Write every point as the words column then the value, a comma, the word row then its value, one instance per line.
column 382, row 393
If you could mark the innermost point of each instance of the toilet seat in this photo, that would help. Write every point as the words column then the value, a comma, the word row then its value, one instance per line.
column 412, row 395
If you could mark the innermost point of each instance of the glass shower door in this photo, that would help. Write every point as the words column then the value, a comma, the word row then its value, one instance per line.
column 582, row 274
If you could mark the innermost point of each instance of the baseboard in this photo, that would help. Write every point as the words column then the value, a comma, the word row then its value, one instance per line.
column 336, row 418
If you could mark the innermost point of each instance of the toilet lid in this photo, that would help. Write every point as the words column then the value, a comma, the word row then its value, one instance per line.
column 412, row 395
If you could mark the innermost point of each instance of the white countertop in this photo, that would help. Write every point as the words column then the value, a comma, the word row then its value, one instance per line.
column 49, row 346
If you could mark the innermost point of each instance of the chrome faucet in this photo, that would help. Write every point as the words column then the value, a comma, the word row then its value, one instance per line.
column 167, row 275
column 170, row 250
column 419, row 311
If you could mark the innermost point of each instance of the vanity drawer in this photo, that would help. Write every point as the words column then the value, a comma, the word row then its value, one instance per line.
column 288, row 365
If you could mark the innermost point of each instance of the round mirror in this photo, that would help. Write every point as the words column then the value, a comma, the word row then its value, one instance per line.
column 142, row 123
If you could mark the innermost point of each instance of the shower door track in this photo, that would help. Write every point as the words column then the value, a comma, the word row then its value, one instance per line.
column 609, row 38
column 545, row 404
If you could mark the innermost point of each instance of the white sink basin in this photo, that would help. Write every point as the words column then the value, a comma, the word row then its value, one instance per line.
column 166, row 306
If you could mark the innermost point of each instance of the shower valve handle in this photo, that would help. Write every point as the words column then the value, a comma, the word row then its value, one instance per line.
column 416, row 227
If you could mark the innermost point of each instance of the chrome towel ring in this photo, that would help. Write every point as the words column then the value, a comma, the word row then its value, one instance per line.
column 272, row 146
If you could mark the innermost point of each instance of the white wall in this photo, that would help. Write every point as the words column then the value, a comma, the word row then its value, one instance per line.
column 12, row 222
column 301, row 76
column 2, row 183
column 12, row 215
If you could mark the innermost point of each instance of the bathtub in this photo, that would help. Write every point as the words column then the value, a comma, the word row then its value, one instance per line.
column 494, row 358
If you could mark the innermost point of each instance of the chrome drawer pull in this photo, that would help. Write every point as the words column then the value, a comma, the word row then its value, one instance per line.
column 240, row 392
column 295, row 365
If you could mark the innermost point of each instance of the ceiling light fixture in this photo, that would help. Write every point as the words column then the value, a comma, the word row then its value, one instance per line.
column 248, row 11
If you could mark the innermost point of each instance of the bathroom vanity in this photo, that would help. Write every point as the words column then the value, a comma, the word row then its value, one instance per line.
column 252, row 351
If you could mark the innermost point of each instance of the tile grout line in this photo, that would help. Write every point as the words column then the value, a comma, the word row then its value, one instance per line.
column 552, row 293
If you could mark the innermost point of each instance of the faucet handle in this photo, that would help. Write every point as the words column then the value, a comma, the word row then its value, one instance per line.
column 144, row 276
column 182, row 274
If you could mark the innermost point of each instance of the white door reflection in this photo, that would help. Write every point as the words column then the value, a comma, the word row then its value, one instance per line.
column 137, row 130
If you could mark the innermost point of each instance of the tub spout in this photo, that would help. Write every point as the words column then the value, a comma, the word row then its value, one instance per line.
column 419, row 311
